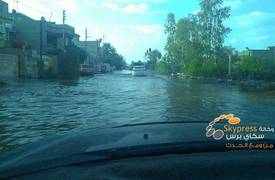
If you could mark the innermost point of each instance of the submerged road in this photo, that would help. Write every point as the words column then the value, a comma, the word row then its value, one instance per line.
column 32, row 110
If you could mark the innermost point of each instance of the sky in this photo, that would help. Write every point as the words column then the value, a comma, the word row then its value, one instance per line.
column 133, row 26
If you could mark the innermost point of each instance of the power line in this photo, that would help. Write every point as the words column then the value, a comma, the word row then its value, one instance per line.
column 46, row 5
column 17, row 7
column 53, row 10
column 60, row 10
column 28, row 6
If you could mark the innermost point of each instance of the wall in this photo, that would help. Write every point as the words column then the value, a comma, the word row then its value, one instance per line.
column 3, row 9
column 272, row 49
column 264, row 53
column 2, row 33
column 9, row 68
column 28, row 30
column 27, row 61
column 28, row 67
column 3, row 21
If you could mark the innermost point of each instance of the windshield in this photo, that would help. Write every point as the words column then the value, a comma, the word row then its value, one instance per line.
column 71, row 66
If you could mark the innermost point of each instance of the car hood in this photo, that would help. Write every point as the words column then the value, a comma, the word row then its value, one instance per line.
column 109, row 138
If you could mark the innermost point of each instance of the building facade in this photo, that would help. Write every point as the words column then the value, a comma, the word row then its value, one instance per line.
column 93, row 50
column 40, row 35
column 5, row 24
column 268, row 53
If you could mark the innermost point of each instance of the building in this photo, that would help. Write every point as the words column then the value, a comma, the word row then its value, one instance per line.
column 44, row 37
column 93, row 50
column 5, row 24
column 92, row 47
column 268, row 53
column 14, row 62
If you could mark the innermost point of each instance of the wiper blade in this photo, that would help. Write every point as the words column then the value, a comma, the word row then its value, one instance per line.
column 164, row 122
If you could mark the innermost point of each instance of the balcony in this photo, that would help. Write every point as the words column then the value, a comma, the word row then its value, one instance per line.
column 59, row 28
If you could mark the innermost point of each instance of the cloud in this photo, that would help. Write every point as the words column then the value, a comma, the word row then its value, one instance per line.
column 69, row 5
column 142, row 36
column 254, row 19
column 135, row 8
column 254, row 29
column 130, row 8
column 146, row 29
column 89, row 3
column 138, row 1
column 156, row 1
column 234, row 4
column 111, row 6
column 233, row 41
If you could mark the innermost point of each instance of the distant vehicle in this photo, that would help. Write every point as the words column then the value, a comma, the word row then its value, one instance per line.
column 103, row 68
column 86, row 70
column 139, row 70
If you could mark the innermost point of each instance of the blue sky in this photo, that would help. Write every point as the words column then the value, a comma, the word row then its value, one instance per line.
column 133, row 26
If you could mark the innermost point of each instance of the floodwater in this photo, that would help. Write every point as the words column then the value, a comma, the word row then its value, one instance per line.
column 32, row 110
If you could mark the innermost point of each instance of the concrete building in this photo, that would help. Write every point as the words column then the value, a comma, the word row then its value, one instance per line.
column 93, row 49
column 268, row 53
column 5, row 24
column 44, row 37
column 95, row 54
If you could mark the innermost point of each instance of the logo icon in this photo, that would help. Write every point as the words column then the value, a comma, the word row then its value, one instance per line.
column 218, row 134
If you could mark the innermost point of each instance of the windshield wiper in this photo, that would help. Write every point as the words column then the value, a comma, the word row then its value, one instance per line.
column 164, row 122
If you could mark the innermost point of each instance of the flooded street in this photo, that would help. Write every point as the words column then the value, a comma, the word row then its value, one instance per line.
column 32, row 110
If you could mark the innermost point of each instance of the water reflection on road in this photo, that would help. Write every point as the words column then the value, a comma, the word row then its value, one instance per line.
column 31, row 110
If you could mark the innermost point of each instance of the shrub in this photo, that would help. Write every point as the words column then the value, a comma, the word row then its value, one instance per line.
column 193, row 69
column 161, row 67
column 256, row 69
column 68, row 66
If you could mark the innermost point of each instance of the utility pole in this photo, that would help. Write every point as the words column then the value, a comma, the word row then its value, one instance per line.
column 51, row 15
column 41, row 39
column 231, row 53
column 230, row 67
column 17, row 6
column 86, row 46
column 64, row 20
column 64, row 16
column 103, row 38
column 86, row 38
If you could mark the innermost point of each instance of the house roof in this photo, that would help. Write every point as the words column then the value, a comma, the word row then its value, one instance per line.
column 3, row 3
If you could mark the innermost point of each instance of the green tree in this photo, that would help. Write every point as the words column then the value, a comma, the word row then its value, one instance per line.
column 152, row 58
column 213, row 32
column 68, row 62
column 111, row 57
column 188, row 44
column 195, row 43
column 170, row 47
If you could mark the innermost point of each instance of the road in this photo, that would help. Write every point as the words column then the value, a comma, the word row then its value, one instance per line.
column 32, row 110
